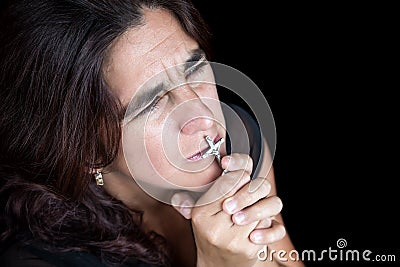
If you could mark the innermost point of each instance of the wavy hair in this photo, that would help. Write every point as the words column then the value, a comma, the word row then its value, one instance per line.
column 58, row 120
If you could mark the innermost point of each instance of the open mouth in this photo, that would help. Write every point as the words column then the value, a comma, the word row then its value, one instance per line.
column 198, row 155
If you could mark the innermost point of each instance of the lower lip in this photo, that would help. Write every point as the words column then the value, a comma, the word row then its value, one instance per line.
column 198, row 156
column 194, row 158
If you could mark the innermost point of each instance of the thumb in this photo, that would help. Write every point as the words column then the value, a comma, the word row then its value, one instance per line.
column 183, row 203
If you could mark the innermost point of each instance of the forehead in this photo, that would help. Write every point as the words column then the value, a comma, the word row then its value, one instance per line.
column 146, row 50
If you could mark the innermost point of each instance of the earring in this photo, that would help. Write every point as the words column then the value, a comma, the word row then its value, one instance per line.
column 99, row 178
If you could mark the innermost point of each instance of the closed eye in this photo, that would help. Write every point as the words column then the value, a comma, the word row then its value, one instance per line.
column 196, row 67
column 150, row 107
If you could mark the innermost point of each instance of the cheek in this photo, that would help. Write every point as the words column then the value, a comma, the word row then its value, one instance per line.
column 141, row 150
column 143, row 153
column 147, row 161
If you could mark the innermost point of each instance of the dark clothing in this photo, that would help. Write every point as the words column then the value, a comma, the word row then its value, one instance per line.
column 253, row 136
column 33, row 255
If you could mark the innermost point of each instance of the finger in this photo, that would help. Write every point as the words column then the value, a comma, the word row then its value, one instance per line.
column 243, row 198
column 236, row 162
column 255, row 184
column 183, row 203
column 265, row 223
column 267, row 236
column 263, row 209
column 224, row 186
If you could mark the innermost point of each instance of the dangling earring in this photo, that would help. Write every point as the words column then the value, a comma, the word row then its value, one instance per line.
column 99, row 178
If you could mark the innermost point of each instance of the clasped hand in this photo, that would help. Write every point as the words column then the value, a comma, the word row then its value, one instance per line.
column 232, row 222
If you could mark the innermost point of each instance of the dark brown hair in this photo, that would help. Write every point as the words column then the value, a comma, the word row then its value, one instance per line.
column 59, row 120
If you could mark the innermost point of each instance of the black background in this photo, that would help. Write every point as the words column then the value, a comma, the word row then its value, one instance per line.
column 327, row 72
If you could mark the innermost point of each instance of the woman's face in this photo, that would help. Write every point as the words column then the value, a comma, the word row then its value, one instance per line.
column 151, row 68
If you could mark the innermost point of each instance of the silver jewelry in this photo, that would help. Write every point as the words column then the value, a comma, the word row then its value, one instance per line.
column 214, row 150
column 99, row 178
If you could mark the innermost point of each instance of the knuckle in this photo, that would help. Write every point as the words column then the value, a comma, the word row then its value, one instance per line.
column 260, row 214
column 246, row 198
column 198, row 215
column 278, row 203
column 226, row 183
column 210, row 234
column 265, row 188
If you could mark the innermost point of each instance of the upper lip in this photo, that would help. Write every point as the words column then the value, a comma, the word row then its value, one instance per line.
column 202, row 151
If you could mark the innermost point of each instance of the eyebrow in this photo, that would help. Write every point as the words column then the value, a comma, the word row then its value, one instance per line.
column 146, row 97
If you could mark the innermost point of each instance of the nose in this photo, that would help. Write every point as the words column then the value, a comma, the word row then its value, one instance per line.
column 197, row 124
column 193, row 114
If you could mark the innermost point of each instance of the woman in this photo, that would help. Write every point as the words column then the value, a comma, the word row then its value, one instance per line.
column 72, row 186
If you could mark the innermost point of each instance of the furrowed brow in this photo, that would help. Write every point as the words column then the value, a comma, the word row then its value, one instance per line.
column 147, row 96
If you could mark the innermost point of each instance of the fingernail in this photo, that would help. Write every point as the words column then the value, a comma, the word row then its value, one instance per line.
column 228, row 160
column 185, row 211
column 230, row 205
column 175, row 200
column 186, row 208
column 239, row 217
column 257, row 237
column 186, row 204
